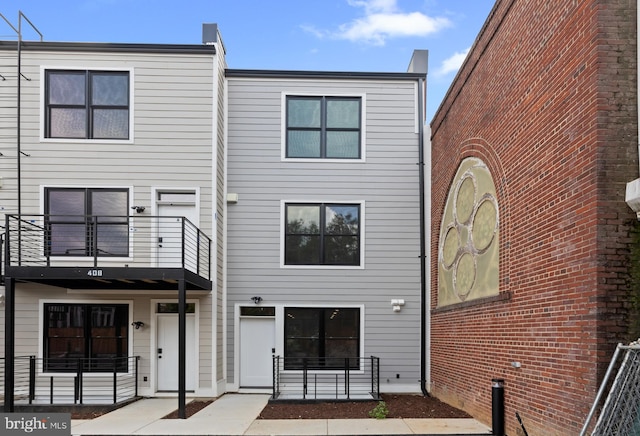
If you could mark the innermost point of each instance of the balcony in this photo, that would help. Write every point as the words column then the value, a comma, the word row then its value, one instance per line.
column 107, row 252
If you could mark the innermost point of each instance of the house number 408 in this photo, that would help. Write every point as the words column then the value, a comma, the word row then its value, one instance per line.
column 95, row 273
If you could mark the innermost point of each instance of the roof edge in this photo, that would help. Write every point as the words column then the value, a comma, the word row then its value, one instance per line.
column 298, row 74
column 108, row 47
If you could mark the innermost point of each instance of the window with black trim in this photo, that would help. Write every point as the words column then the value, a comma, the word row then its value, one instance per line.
column 321, row 338
column 87, row 221
column 322, row 234
column 96, row 336
column 87, row 104
column 323, row 127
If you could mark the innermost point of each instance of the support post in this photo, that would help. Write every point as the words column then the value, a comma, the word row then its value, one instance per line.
column 9, row 343
column 497, row 406
column 182, row 349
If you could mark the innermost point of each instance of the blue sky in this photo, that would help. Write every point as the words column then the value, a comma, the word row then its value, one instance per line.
column 324, row 35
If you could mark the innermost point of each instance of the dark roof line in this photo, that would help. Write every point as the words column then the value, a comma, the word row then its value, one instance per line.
column 109, row 47
column 288, row 74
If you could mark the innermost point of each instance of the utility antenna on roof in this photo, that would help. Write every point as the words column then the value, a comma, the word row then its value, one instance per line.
column 19, row 75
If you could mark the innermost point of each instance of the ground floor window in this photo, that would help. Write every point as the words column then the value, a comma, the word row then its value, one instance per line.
column 91, row 335
column 327, row 338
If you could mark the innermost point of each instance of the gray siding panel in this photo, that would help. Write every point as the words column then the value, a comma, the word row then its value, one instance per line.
column 387, row 183
column 171, row 147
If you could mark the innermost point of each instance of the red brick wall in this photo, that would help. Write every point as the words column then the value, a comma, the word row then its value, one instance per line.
column 547, row 99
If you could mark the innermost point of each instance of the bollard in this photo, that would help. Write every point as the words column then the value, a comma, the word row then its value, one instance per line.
column 497, row 406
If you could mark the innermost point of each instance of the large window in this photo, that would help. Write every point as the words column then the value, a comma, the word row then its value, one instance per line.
column 87, row 104
column 87, row 221
column 329, row 338
column 91, row 335
column 322, row 234
column 323, row 127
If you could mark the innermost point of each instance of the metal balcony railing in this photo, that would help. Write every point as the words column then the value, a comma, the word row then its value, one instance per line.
column 91, row 240
column 328, row 378
column 92, row 381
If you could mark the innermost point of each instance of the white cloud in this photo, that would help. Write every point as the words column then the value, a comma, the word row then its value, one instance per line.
column 452, row 63
column 382, row 20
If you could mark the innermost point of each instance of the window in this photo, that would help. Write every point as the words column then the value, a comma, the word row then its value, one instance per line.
column 86, row 104
column 326, row 337
column 94, row 333
column 323, row 127
column 87, row 221
column 322, row 234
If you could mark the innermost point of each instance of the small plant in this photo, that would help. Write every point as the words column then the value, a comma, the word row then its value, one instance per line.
column 380, row 411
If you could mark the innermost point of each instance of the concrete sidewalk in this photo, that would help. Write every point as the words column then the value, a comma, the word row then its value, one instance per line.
column 235, row 414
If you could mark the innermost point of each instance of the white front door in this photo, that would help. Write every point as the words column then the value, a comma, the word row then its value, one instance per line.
column 171, row 207
column 167, row 352
column 257, row 346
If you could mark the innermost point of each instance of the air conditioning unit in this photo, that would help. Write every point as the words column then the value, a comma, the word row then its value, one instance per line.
column 632, row 196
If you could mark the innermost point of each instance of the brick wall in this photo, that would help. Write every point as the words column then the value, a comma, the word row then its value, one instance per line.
column 547, row 99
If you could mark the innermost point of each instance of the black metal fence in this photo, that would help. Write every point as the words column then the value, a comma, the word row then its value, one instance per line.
column 328, row 378
column 117, row 381
column 139, row 241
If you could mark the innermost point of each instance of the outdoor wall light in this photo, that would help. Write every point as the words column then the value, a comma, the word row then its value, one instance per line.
column 138, row 209
column 1, row 300
column 137, row 324
column 256, row 300
column 397, row 304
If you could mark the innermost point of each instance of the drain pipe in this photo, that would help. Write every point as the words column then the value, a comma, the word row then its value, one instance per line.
column 419, row 63
column 424, row 303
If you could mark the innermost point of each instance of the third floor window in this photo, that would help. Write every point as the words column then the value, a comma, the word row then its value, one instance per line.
column 87, row 104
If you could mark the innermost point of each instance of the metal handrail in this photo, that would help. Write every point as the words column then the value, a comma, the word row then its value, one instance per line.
column 37, row 383
column 145, row 241
column 307, row 378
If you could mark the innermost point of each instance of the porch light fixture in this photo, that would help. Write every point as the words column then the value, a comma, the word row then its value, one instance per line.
column 1, row 300
column 256, row 299
column 137, row 324
column 138, row 209
column 397, row 305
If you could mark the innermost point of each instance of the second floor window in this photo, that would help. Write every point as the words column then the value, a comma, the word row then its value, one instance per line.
column 322, row 234
column 87, row 104
column 323, row 127
column 87, row 222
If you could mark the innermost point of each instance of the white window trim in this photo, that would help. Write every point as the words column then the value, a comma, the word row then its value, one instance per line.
column 280, row 334
column 283, row 127
column 44, row 68
column 41, row 304
column 61, row 260
column 283, row 204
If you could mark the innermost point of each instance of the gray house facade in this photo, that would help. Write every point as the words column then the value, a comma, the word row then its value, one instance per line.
column 323, row 231
column 173, row 227
column 112, row 216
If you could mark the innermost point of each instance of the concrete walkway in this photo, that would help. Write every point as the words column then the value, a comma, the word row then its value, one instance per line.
column 235, row 414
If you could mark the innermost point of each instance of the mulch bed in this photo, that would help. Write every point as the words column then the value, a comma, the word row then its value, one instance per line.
column 399, row 405
column 191, row 408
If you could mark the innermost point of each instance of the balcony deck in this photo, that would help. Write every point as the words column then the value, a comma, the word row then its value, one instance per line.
column 105, row 252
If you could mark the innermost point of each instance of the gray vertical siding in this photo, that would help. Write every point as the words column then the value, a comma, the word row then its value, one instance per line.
column 387, row 183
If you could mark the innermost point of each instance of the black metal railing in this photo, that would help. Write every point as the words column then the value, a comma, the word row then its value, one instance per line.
column 340, row 378
column 116, row 382
column 133, row 241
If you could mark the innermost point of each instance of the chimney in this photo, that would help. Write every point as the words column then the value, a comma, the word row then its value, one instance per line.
column 419, row 62
column 209, row 33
